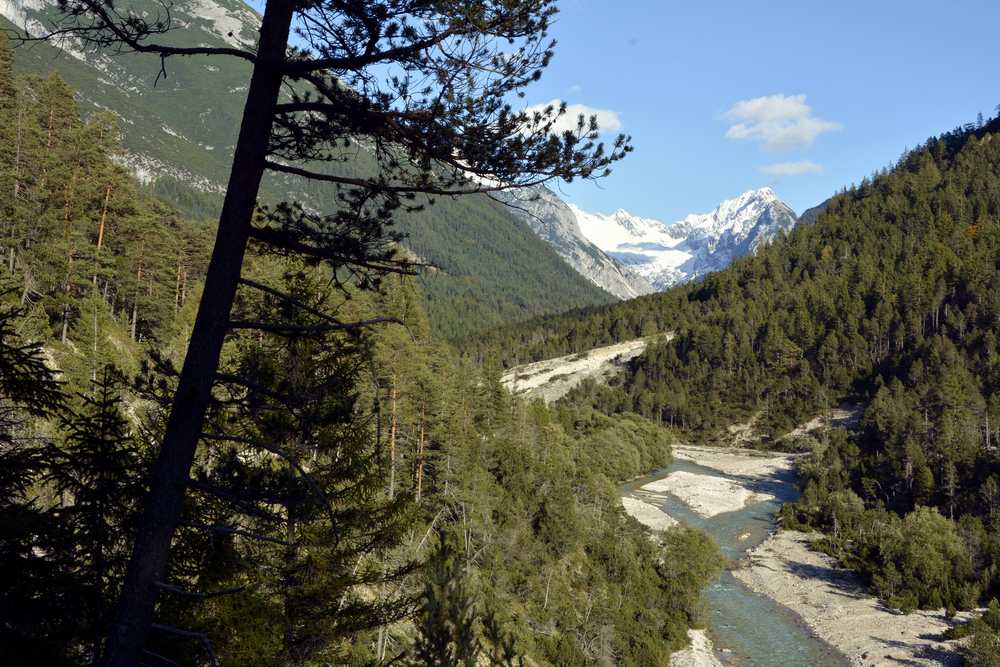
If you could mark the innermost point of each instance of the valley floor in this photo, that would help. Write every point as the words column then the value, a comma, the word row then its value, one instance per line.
column 700, row 653
column 838, row 609
column 831, row 601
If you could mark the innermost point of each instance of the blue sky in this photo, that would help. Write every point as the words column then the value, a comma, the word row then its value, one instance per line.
column 876, row 76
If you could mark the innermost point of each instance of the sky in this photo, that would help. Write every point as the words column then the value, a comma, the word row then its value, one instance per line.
column 804, row 96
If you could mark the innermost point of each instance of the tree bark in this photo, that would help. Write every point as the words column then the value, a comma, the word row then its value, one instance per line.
column 177, row 287
column 135, row 318
column 104, row 219
column 138, row 283
column 392, row 439
column 100, row 234
column 162, row 507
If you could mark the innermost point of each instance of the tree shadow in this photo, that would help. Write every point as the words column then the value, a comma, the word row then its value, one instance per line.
column 780, row 484
column 922, row 653
column 843, row 581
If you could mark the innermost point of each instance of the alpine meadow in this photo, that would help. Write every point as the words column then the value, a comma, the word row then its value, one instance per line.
column 316, row 347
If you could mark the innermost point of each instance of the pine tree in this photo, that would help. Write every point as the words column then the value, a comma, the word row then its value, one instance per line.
column 39, row 617
column 97, row 471
column 358, row 68
column 294, row 445
column 8, row 141
column 446, row 623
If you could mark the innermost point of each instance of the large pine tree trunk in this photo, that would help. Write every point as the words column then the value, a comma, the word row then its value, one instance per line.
column 162, row 507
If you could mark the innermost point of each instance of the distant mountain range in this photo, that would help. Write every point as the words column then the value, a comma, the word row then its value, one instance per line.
column 667, row 255
column 628, row 255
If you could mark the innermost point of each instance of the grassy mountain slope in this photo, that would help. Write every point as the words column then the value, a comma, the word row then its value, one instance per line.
column 180, row 132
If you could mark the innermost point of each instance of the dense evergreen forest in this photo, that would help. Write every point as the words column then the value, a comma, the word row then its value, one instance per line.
column 441, row 520
column 891, row 298
column 87, row 249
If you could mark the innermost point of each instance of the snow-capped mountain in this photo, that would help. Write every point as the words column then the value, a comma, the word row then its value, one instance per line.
column 667, row 255
column 554, row 221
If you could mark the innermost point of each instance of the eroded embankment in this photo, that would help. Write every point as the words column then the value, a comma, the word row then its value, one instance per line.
column 552, row 379
column 837, row 607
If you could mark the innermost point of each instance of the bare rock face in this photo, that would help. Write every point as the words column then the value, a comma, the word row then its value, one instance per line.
column 553, row 220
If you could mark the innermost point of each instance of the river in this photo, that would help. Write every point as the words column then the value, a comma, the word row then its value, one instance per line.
column 747, row 628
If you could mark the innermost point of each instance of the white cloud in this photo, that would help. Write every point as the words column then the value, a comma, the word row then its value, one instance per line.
column 607, row 120
column 780, row 122
column 792, row 168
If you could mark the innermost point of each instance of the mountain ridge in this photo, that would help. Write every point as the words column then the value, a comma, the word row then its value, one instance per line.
column 555, row 222
column 670, row 254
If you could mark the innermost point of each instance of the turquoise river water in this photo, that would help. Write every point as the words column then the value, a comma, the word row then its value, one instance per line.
column 747, row 628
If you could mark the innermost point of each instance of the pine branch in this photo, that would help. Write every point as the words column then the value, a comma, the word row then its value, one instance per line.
column 290, row 299
column 242, row 504
column 201, row 595
column 227, row 378
column 231, row 530
column 108, row 28
column 381, row 187
column 288, row 457
column 284, row 241
column 162, row 658
column 302, row 330
column 200, row 636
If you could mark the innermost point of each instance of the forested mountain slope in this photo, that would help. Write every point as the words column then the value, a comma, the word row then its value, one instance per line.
column 99, row 264
column 178, row 133
column 98, row 280
column 891, row 266
column 900, row 270
column 892, row 297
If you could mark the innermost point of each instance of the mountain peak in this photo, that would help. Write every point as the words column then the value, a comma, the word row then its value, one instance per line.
column 765, row 193
column 556, row 222
column 699, row 243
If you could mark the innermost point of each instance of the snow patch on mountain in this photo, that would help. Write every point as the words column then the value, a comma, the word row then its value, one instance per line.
column 667, row 255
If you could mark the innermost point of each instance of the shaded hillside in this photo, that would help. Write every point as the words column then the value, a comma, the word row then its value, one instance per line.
column 810, row 215
column 179, row 135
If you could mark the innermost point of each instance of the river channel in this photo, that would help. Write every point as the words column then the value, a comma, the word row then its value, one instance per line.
column 747, row 628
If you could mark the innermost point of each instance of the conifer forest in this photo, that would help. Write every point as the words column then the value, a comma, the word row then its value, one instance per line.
column 306, row 359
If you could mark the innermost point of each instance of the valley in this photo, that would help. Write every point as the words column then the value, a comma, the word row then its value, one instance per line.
column 744, row 627
column 782, row 603
column 319, row 347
